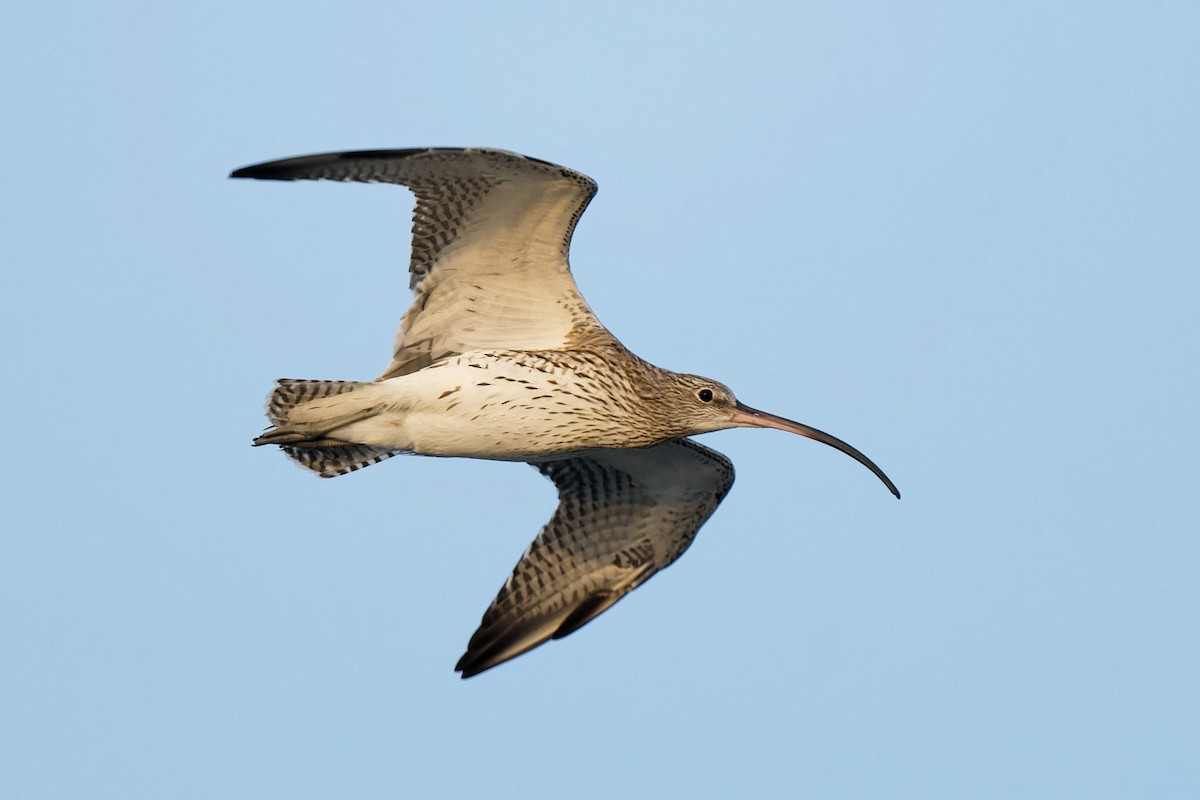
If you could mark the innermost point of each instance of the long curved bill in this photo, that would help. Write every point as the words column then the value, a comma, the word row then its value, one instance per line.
column 753, row 418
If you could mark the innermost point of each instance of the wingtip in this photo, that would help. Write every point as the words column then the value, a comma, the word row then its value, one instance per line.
column 268, row 171
column 467, row 669
column 301, row 167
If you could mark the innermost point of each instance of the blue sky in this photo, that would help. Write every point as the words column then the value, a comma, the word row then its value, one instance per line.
column 960, row 236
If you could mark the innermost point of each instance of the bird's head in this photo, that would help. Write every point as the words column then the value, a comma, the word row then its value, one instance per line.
column 711, row 406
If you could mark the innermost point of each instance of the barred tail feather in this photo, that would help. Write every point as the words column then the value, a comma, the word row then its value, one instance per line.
column 329, row 462
column 303, row 412
column 290, row 393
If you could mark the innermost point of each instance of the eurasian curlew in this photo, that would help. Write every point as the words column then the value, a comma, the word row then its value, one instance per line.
column 500, row 357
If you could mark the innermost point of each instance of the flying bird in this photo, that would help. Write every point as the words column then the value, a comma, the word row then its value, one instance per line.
column 499, row 357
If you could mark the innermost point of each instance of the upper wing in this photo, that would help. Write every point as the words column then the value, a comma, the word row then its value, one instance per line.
column 491, row 230
column 623, row 515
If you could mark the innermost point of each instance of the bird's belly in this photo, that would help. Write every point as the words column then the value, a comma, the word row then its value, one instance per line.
column 508, row 427
column 487, row 408
column 493, row 436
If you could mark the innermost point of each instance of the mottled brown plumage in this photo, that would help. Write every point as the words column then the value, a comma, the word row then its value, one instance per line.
column 500, row 357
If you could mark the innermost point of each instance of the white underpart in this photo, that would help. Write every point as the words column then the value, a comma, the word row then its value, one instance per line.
column 459, row 408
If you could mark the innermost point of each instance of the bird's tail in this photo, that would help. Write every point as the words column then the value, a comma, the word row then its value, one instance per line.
column 305, row 412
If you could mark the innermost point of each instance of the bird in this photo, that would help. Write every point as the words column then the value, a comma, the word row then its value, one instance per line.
column 499, row 357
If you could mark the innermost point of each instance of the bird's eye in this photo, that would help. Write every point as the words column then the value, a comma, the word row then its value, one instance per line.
column 705, row 395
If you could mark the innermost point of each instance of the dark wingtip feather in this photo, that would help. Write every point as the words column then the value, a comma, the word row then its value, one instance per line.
column 271, row 170
column 479, row 658
column 470, row 667
column 286, row 169
column 300, row 167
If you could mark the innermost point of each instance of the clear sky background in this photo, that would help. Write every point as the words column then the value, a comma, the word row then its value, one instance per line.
column 961, row 236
